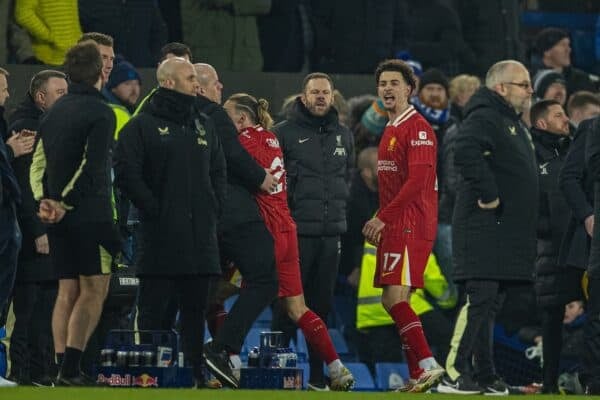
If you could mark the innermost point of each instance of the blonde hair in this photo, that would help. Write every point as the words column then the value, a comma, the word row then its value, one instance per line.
column 257, row 110
column 462, row 84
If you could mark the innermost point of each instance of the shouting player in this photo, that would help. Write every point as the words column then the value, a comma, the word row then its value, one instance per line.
column 252, row 119
column 405, row 225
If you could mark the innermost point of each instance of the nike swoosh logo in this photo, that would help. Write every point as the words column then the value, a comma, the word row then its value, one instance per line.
column 303, row 140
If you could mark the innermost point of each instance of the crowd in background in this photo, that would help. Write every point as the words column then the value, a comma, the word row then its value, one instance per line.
column 448, row 44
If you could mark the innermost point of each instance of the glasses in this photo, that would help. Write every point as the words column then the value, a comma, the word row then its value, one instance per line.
column 522, row 85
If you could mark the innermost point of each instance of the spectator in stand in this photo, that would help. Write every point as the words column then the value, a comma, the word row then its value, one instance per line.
column 493, row 235
column 53, row 27
column 555, row 284
column 319, row 154
column 583, row 105
column 345, row 28
column 225, row 32
column 31, row 349
column 136, row 26
column 460, row 90
column 10, row 198
column 432, row 101
column 550, row 85
column 434, row 37
column 124, row 85
column 552, row 50
column 286, row 36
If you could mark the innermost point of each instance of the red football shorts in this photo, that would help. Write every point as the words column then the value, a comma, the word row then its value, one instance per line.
column 401, row 261
column 287, row 261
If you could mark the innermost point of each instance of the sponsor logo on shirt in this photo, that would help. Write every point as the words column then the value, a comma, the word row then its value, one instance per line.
column 387, row 165
column 422, row 135
column 421, row 142
column 273, row 142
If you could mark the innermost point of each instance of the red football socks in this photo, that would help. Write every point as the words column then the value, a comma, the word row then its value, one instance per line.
column 410, row 329
column 317, row 336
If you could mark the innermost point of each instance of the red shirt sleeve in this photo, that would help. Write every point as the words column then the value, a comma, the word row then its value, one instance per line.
column 421, row 145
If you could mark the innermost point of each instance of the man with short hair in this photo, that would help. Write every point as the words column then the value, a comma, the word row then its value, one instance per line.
column 552, row 46
column 70, row 176
column 583, row 105
column 175, row 49
column 170, row 164
column 404, row 227
column 10, row 197
column 243, row 236
column 493, row 234
column 319, row 155
column 105, row 46
column 31, row 350
column 556, row 284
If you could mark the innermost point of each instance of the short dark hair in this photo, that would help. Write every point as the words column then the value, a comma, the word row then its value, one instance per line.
column 540, row 110
column 582, row 98
column 316, row 75
column 41, row 78
column 397, row 66
column 100, row 38
column 179, row 49
column 83, row 63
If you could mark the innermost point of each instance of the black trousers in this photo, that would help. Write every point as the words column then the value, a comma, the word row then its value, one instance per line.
column 591, row 361
column 319, row 262
column 472, row 344
column 191, row 294
column 31, row 347
column 250, row 247
column 552, row 326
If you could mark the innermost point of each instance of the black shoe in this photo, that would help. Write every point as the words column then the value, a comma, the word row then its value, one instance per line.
column 494, row 387
column 462, row 385
column 219, row 364
column 43, row 381
column 77, row 380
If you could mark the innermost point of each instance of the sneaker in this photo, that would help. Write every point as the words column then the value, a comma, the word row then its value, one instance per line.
column 428, row 379
column 407, row 387
column 219, row 364
column 342, row 380
column 4, row 383
column 462, row 385
column 77, row 380
column 43, row 381
column 497, row 387
column 318, row 387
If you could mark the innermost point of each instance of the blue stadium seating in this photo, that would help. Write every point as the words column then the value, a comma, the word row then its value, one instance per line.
column 390, row 376
column 362, row 376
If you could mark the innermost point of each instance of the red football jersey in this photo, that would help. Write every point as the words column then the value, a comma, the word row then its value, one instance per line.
column 264, row 147
column 407, row 141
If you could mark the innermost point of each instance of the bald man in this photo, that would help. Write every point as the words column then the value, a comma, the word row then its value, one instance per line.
column 494, row 223
column 169, row 162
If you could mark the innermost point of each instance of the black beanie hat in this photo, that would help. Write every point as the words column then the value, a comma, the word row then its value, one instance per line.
column 547, row 39
column 544, row 79
column 433, row 75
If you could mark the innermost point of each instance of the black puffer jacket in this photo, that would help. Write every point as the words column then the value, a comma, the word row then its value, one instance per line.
column 495, row 159
column 170, row 164
column 33, row 266
column 318, row 154
column 577, row 186
column 551, row 151
column 592, row 158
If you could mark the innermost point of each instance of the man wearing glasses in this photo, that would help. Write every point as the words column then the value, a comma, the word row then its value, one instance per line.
column 494, row 222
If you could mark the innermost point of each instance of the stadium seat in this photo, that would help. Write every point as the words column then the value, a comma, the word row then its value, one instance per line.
column 362, row 376
column 339, row 342
column 391, row 376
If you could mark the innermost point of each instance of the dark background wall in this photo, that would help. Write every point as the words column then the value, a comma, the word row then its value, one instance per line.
column 274, row 87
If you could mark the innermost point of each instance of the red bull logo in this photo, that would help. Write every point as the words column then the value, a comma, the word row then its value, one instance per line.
column 114, row 380
column 145, row 380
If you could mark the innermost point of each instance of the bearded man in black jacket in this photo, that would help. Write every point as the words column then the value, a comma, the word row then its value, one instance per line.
column 170, row 164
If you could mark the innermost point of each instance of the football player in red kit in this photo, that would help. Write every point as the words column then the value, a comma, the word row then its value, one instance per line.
column 252, row 119
column 405, row 225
